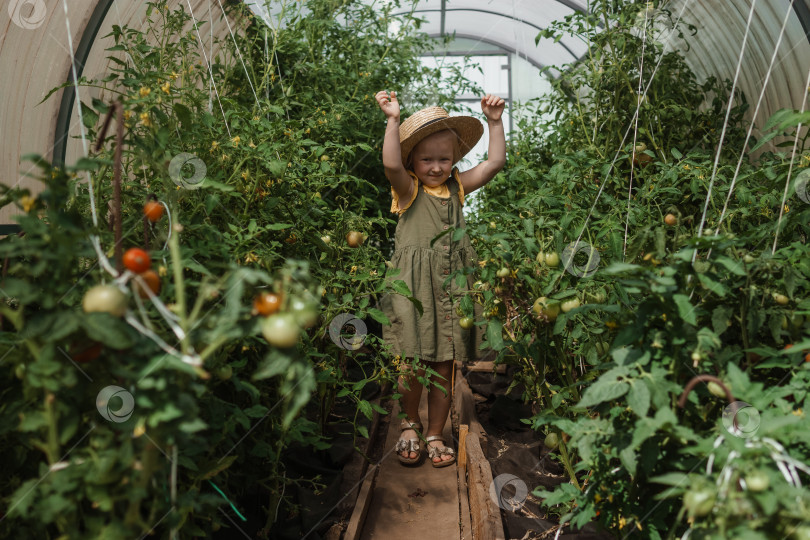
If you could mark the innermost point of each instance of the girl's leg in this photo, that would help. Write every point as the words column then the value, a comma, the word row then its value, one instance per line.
column 439, row 404
column 409, row 403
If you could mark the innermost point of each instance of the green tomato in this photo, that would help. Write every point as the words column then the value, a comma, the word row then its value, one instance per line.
column 541, row 257
column 503, row 272
column 281, row 330
column 780, row 299
column 466, row 322
column 225, row 372
column 105, row 298
column 552, row 440
column 748, row 258
column 599, row 297
column 699, row 502
column 552, row 259
column 305, row 313
column 757, row 480
column 716, row 390
column 19, row 371
column 568, row 305
column 549, row 308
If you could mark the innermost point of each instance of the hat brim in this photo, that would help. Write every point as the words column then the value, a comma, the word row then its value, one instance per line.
column 468, row 129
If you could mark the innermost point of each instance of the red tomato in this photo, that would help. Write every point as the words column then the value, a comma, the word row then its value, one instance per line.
column 83, row 353
column 153, row 211
column 137, row 260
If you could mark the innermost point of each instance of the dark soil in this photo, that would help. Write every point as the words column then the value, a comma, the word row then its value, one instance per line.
column 513, row 448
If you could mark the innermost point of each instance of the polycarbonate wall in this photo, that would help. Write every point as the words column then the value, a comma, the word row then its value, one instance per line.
column 35, row 53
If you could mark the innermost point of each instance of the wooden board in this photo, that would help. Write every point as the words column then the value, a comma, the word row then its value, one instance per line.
column 486, row 515
column 463, row 496
column 361, row 507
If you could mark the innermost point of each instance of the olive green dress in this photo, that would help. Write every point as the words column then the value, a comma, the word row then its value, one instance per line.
column 436, row 335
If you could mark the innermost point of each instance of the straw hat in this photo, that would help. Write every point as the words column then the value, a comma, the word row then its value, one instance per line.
column 428, row 121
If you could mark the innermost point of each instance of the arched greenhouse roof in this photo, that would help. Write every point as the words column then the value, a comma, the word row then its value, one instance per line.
column 40, row 37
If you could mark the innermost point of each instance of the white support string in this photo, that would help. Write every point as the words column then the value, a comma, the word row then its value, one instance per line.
column 790, row 168
column 725, row 123
column 754, row 116
column 640, row 100
column 629, row 127
column 239, row 52
column 208, row 64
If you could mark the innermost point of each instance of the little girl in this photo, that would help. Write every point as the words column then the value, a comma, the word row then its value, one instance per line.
column 428, row 193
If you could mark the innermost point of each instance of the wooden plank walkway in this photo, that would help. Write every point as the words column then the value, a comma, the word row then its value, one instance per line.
column 397, row 502
column 413, row 502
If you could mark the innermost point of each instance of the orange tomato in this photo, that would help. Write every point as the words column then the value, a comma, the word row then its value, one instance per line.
column 152, row 281
column 266, row 304
column 671, row 220
column 153, row 211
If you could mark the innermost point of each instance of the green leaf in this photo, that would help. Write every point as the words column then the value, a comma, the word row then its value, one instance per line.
column 494, row 337
column 721, row 317
column 275, row 363
column 401, row 288
column 109, row 330
column 257, row 411
column 365, row 408
column 276, row 167
column 638, row 399
column 183, row 114
column 731, row 265
column 685, row 309
column 603, row 390
column 378, row 316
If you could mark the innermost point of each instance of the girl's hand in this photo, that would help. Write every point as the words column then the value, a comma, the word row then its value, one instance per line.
column 388, row 103
column 492, row 107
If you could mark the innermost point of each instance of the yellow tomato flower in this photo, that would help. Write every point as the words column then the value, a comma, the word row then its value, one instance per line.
column 236, row 140
column 250, row 144
column 166, row 87
column 245, row 175
column 144, row 91
column 145, row 120
column 214, row 145
column 27, row 202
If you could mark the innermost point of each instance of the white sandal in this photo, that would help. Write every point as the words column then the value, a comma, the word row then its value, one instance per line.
column 439, row 451
column 409, row 445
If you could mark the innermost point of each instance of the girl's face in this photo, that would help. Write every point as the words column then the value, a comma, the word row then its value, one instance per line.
column 433, row 158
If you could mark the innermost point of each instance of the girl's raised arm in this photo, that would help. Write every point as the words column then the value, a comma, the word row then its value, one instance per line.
column 392, row 154
column 492, row 107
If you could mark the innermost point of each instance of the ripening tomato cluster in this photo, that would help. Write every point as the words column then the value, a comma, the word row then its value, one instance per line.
column 138, row 261
column 110, row 299
column 283, row 324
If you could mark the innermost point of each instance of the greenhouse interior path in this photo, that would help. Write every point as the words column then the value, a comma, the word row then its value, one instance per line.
column 411, row 502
